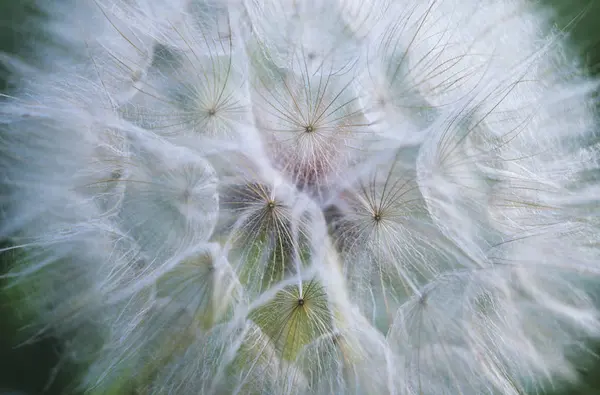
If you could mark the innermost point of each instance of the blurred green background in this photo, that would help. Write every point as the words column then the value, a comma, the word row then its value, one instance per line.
column 30, row 369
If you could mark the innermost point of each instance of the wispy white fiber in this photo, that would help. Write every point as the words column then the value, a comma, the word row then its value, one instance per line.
column 304, row 196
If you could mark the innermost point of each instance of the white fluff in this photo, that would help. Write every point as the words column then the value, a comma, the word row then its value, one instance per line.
column 304, row 196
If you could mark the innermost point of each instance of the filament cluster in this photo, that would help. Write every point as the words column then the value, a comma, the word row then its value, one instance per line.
column 303, row 196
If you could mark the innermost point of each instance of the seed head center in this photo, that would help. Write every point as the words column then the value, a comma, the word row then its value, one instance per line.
column 186, row 195
column 309, row 129
column 301, row 302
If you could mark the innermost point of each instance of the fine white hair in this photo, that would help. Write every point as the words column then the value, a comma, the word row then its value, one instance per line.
column 304, row 196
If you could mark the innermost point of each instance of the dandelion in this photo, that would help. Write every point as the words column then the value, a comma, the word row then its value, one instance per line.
column 303, row 197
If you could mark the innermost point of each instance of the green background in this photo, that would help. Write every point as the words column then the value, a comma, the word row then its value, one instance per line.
column 26, row 369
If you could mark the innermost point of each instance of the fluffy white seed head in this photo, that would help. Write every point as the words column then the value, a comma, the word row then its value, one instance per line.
column 304, row 197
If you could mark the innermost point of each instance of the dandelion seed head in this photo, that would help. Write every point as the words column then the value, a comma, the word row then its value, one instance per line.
column 304, row 197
